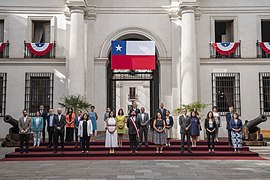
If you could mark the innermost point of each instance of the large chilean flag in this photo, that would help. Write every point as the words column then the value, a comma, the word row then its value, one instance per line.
column 133, row 55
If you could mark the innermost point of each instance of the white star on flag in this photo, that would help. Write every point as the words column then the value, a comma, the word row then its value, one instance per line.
column 118, row 47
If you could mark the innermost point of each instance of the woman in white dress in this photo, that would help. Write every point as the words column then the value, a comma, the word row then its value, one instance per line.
column 111, row 133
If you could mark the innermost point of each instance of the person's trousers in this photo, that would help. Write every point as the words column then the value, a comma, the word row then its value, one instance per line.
column 37, row 138
column 43, row 131
column 229, row 137
column 50, row 132
column 187, row 135
column 85, row 143
column 144, row 133
column 69, row 134
column 76, row 136
column 22, row 138
column 210, row 139
column 58, row 134
column 216, row 132
column 133, row 142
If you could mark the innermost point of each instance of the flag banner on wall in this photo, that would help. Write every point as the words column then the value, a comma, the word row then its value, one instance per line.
column 133, row 55
column 265, row 46
column 39, row 49
column 2, row 46
column 225, row 48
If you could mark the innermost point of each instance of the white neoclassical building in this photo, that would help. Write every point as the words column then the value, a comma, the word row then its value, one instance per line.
column 191, row 65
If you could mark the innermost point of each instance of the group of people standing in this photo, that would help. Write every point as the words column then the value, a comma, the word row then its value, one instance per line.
column 137, row 125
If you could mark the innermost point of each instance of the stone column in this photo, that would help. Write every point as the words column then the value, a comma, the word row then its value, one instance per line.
column 189, row 65
column 76, row 62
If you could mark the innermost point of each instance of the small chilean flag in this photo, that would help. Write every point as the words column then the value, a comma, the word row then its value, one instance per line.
column 133, row 55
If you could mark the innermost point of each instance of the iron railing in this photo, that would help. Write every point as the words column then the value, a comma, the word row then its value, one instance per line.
column 215, row 54
column 5, row 52
column 260, row 52
column 29, row 54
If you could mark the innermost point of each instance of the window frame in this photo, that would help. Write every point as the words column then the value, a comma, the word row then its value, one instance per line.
column 236, row 90
column 4, row 95
column 28, row 88
column 261, row 94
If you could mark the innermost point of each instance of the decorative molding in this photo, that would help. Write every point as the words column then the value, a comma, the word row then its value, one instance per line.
column 33, row 62
column 242, row 61
column 90, row 13
column 131, row 10
column 189, row 7
column 105, row 49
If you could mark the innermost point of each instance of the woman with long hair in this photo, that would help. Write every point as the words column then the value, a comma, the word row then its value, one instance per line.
column 93, row 117
column 111, row 140
column 169, row 124
column 195, row 128
column 70, row 119
column 121, row 126
column 84, row 132
column 159, row 136
column 210, row 126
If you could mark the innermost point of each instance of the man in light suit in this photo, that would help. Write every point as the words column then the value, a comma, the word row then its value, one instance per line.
column 143, row 118
column 229, row 116
column 185, row 125
column 24, row 124
column 59, row 123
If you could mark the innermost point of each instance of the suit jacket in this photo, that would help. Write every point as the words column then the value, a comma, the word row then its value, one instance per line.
column 131, row 128
column 170, row 122
column 206, row 124
column 89, row 128
column 48, row 121
column 163, row 114
column 228, row 119
column 237, row 125
column 77, row 121
column 26, row 126
column 184, row 122
column 59, row 123
column 44, row 115
column 145, row 120
column 40, row 124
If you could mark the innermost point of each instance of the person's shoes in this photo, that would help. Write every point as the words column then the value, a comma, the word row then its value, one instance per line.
column 49, row 146
column 157, row 152
column 169, row 144
column 87, row 152
column 140, row 145
column 146, row 145
column 213, row 150
column 189, row 151
column 82, row 152
column 55, row 152
column 161, row 152
column 209, row 150
column 62, row 152
column 238, row 151
column 136, row 152
column 182, row 152
column 131, row 152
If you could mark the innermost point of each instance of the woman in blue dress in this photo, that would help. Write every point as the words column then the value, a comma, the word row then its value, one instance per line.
column 93, row 117
column 195, row 128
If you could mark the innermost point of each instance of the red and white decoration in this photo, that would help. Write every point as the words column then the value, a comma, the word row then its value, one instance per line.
column 265, row 46
column 39, row 49
column 2, row 46
column 225, row 48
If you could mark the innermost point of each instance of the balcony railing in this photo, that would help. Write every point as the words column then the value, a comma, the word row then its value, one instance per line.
column 132, row 97
column 260, row 52
column 5, row 52
column 29, row 54
column 215, row 54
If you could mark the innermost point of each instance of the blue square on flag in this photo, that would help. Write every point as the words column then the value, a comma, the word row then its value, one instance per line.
column 118, row 47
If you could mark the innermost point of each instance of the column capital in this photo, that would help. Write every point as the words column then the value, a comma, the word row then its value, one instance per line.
column 90, row 13
column 189, row 7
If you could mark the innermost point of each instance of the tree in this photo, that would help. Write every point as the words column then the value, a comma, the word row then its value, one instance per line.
column 76, row 102
column 198, row 105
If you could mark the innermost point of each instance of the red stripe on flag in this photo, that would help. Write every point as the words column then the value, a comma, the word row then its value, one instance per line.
column 133, row 62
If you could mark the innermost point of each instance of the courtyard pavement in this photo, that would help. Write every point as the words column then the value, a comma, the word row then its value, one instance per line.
column 187, row 169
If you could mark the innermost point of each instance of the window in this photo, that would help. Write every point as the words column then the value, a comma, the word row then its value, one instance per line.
column 224, row 31
column 3, row 88
column 226, row 91
column 265, row 93
column 132, row 93
column 265, row 30
column 41, row 31
column 2, row 30
column 38, row 91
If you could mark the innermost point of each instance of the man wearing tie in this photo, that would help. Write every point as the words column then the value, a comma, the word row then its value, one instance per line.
column 133, row 131
column 185, row 124
column 59, row 123
column 229, row 116
column 24, row 125
column 143, row 118
column 43, row 114
column 162, row 111
column 50, row 126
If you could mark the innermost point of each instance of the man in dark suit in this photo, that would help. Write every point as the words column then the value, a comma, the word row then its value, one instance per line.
column 24, row 125
column 229, row 116
column 133, row 125
column 185, row 125
column 59, row 123
column 143, row 118
column 162, row 110
column 134, row 108
column 43, row 114
column 50, row 126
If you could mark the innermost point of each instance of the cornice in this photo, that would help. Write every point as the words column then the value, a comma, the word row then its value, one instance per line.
column 241, row 61
column 32, row 62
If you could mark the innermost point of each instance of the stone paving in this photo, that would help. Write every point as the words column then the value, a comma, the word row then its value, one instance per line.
column 187, row 169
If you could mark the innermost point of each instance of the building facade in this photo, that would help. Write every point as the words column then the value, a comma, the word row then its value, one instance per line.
column 189, row 67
